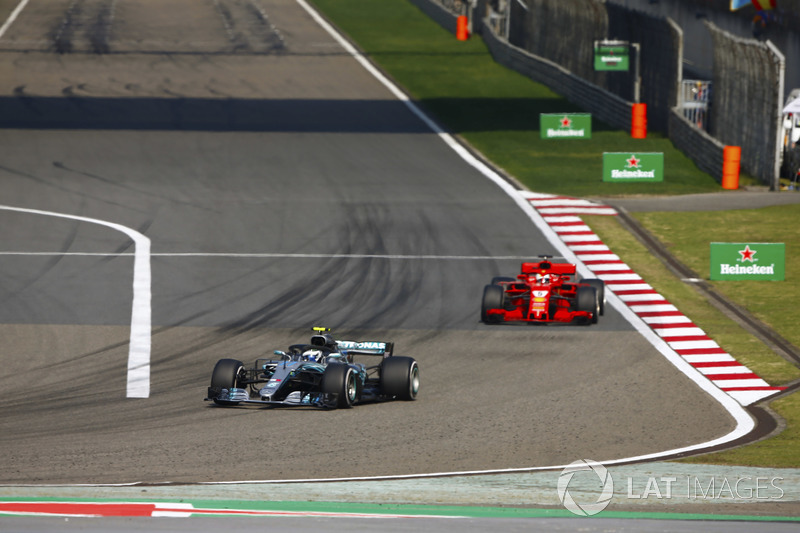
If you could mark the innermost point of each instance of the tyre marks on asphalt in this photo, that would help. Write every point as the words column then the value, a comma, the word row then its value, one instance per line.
column 248, row 26
column 111, row 26
column 85, row 26
column 563, row 214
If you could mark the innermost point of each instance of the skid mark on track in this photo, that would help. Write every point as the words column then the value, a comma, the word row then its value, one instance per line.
column 85, row 27
column 248, row 26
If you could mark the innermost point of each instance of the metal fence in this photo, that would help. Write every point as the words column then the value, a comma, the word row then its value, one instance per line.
column 496, row 14
column 695, row 97
column 456, row 7
column 748, row 98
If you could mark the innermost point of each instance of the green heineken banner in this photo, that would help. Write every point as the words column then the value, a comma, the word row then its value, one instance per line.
column 611, row 55
column 738, row 261
column 627, row 166
column 571, row 126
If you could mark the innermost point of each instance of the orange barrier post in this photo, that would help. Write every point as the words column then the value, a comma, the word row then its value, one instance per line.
column 462, row 28
column 639, row 121
column 731, row 161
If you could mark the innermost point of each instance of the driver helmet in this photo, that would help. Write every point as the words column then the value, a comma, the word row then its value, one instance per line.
column 313, row 355
column 544, row 279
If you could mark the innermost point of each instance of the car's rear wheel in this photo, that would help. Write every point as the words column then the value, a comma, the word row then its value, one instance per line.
column 400, row 377
column 492, row 299
column 600, row 286
column 340, row 379
column 226, row 376
column 586, row 300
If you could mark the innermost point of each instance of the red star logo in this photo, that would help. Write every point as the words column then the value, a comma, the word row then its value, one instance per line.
column 633, row 162
column 747, row 254
column 566, row 122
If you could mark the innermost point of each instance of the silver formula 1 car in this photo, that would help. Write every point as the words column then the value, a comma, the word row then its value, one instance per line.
column 322, row 373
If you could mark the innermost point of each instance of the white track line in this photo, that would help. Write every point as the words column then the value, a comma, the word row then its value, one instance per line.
column 139, row 350
column 12, row 17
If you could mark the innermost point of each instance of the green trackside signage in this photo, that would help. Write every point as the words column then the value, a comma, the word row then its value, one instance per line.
column 627, row 166
column 741, row 261
column 570, row 126
column 611, row 55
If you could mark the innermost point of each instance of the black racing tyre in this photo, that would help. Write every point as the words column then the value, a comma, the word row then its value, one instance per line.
column 400, row 377
column 497, row 279
column 492, row 299
column 587, row 300
column 341, row 379
column 600, row 287
column 226, row 376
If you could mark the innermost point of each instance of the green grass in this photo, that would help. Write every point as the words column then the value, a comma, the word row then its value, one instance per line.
column 688, row 238
column 497, row 111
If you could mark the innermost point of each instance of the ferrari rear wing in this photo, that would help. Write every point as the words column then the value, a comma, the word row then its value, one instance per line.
column 547, row 267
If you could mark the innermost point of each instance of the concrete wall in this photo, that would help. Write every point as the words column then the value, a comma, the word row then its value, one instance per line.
column 706, row 151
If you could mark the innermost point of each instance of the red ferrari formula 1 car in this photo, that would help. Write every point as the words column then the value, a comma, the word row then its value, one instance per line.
column 544, row 292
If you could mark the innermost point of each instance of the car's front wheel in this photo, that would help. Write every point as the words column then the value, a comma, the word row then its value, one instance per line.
column 587, row 300
column 600, row 286
column 340, row 379
column 226, row 376
column 492, row 299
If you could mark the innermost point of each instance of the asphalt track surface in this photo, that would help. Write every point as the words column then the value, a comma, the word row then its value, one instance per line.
column 218, row 138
